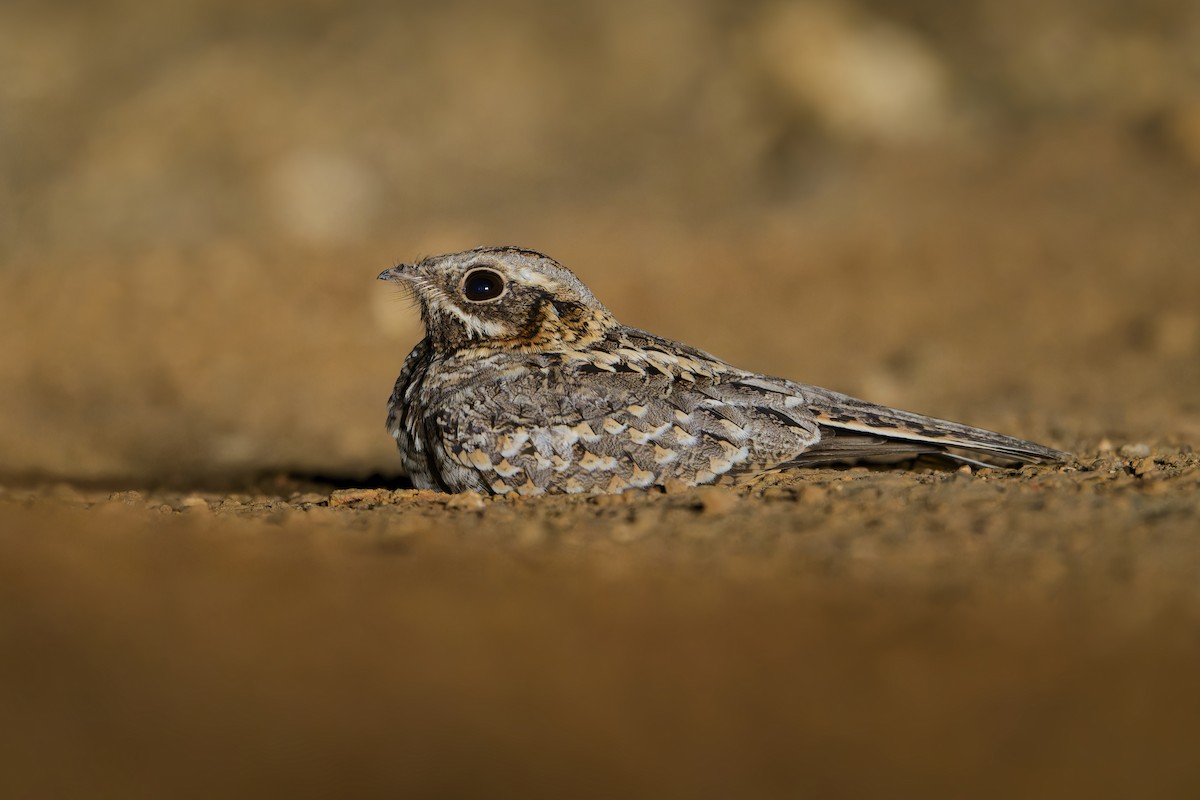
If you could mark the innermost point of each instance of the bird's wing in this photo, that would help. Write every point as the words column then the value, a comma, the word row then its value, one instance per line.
column 645, row 410
column 577, row 428
column 853, row 429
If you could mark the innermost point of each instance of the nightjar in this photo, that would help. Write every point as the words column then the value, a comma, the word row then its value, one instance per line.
column 525, row 383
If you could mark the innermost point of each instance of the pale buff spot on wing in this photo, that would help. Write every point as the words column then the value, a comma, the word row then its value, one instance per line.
column 683, row 437
column 731, row 455
column 660, row 430
column 661, row 361
column 637, row 411
column 573, row 486
column 719, row 465
column 529, row 487
column 479, row 460
column 733, row 430
column 733, row 452
column 661, row 356
column 592, row 462
column 664, row 456
column 683, row 417
column 705, row 476
column 585, row 432
column 510, row 445
column 793, row 401
column 617, row 484
column 613, row 427
column 564, row 435
column 641, row 478
column 500, row 487
column 559, row 463
column 601, row 359
column 473, row 459
column 644, row 437
column 505, row 469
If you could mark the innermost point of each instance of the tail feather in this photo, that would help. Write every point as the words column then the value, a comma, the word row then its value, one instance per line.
column 875, row 429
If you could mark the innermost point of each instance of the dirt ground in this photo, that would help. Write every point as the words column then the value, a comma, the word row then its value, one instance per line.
column 214, row 580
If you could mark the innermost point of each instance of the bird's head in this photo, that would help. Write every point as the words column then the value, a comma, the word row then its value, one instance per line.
column 502, row 297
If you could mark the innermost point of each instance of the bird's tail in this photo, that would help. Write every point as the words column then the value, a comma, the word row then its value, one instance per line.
column 855, row 430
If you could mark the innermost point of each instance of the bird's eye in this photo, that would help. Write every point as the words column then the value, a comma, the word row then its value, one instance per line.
column 482, row 284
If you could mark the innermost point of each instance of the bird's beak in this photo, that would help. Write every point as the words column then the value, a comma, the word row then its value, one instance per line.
column 396, row 273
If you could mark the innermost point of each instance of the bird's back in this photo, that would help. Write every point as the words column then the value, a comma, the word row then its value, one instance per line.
column 635, row 410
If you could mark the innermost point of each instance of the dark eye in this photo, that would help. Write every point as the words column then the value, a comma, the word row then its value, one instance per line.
column 482, row 284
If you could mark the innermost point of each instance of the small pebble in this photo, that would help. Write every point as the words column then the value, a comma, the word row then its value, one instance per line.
column 194, row 505
column 345, row 497
column 127, row 498
column 675, row 486
column 1138, row 450
column 465, row 501
column 229, row 504
column 716, row 499
column 417, row 495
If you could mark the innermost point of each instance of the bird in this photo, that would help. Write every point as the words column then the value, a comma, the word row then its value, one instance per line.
column 525, row 383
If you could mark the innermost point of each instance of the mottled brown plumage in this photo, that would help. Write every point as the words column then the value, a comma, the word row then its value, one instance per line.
column 526, row 383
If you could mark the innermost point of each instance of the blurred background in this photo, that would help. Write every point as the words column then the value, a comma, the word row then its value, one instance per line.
column 983, row 210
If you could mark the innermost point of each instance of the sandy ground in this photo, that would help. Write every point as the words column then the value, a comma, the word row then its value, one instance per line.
column 839, row 633
column 214, row 582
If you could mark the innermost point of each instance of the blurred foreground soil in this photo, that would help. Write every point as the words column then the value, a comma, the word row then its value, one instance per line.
column 836, row 633
column 214, row 582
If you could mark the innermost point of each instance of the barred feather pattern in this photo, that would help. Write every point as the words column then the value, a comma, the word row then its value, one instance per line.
column 540, row 390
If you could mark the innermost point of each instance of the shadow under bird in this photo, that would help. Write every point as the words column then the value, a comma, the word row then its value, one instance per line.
column 526, row 383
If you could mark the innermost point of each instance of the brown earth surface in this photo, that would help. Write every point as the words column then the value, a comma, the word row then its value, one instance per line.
column 214, row 582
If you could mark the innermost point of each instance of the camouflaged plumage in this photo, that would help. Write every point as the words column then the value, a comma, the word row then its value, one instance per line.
column 539, row 389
